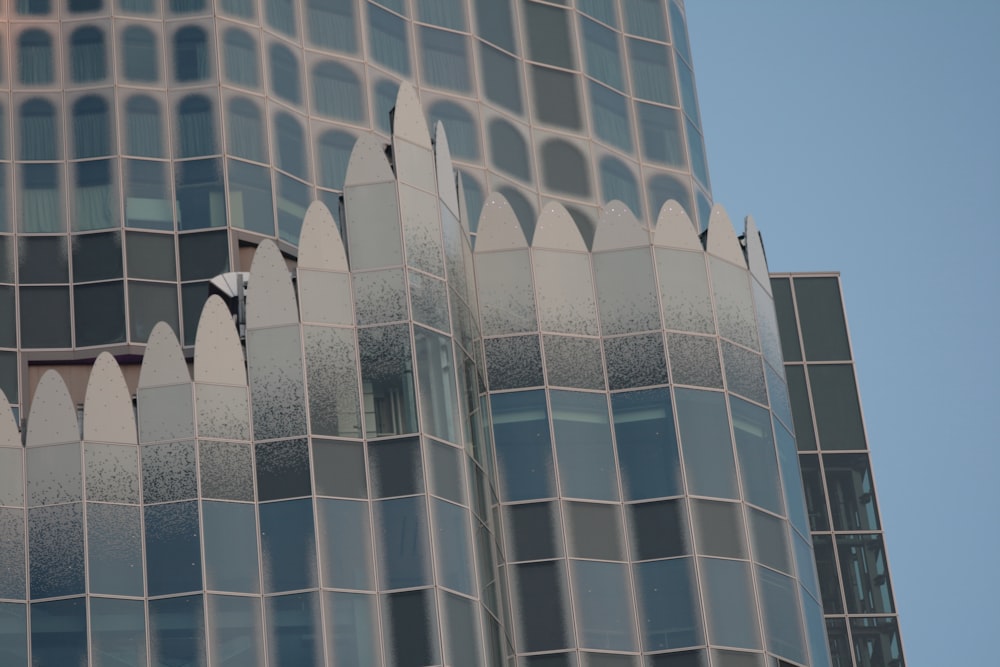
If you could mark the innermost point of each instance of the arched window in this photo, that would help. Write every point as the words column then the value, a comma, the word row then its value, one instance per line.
column 285, row 74
column 331, row 24
column 663, row 187
column 508, row 149
column 87, row 59
column 139, row 54
column 463, row 135
column 35, row 57
column 91, row 129
column 240, row 51
column 196, row 126
column 190, row 55
column 93, row 206
column 564, row 168
column 385, row 100
column 144, row 132
column 291, row 145
column 337, row 92
column 38, row 131
column 281, row 16
column 245, row 130
column 618, row 182
column 334, row 154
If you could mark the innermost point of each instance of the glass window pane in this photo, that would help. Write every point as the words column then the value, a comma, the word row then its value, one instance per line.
column 669, row 612
column 445, row 59
column 346, row 544
column 294, row 630
column 235, row 631
column 331, row 24
column 550, row 38
column 12, row 574
column 821, row 313
column 173, row 553
column 647, row 446
column 282, row 469
column 177, row 631
column 769, row 536
column 865, row 574
column 337, row 92
column 852, row 496
column 602, row 53
column 201, row 203
column 388, row 40
column 534, row 531
column 583, row 445
column 542, row 617
column 230, row 547
column 705, row 441
column 557, row 96
column 387, row 378
column 659, row 530
column 404, row 559
column 652, row 67
column 524, row 451
column 41, row 198
column 662, row 139
column 396, row 468
column 339, row 468
column 782, row 617
column 594, row 531
column 409, row 622
column 755, row 448
column 501, row 76
column 117, row 633
column 787, row 328
column 352, row 629
column 604, row 609
column 168, row 472
column 718, row 529
column 732, row 617
column 635, row 361
column 100, row 313
column 55, row 549
column 838, row 414
column 453, row 544
column 114, row 548
column 445, row 470
column 45, row 316
column 59, row 633
column 288, row 545
column 801, row 409
column 514, row 362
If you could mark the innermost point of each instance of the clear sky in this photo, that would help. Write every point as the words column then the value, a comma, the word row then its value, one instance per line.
column 864, row 137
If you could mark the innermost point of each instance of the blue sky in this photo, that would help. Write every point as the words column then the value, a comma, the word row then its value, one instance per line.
column 864, row 137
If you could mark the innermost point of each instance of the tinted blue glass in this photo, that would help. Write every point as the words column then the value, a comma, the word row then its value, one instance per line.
column 669, row 616
column 117, row 633
column 604, row 605
column 583, row 444
column 13, row 635
column 59, row 633
column 236, row 632
column 230, row 547
column 409, row 623
column 782, row 620
column 288, row 545
column 293, row 630
column 645, row 17
column 647, row 444
column 388, row 42
column 728, row 592
column 453, row 541
column 791, row 479
column 758, row 463
column 543, row 619
column 524, row 451
column 401, row 537
column 12, row 572
column 55, row 550
column 177, row 632
column 173, row 554
column 114, row 549
column 347, row 563
column 352, row 629
column 706, row 443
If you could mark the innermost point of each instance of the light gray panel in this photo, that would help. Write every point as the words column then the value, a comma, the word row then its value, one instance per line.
column 734, row 309
column 506, row 293
column 498, row 226
column 368, row 164
column 564, row 292
column 166, row 413
column 421, row 230
column 163, row 364
column 414, row 165
column 674, row 228
column 11, row 477
column 325, row 297
column 446, row 183
column 626, row 291
column 687, row 300
column 374, row 235
column 223, row 412
column 556, row 230
column 617, row 227
column 107, row 410
column 320, row 244
column 52, row 419
column 722, row 241
column 408, row 120
column 10, row 434
column 218, row 354
column 276, row 384
column 54, row 474
column 270, row 297
column 694, row 360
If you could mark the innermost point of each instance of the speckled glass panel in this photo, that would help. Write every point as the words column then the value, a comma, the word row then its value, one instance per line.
column 230, row 531
column 346, row 563
column 744, row 372
column 421, row 230
column 166, row 413
column 573, row 362
column 373, row 228
column 54, row 474
column 11, row 480
column 734, row 309
column 55, row 550
column 635, row 361
column 782, row 619
column 177, row 631
column 339, row 468
column 331, row 371
column 13, row 635
column 352, row 629
column 687, row 302
column 603, row 594
column 401, row 539
column 756, row 456
column 12, row 569
column 112, row 473
column 669, row 615
column 168, row 472
column 114, row 549
column 380, row 296
column 275, row 364
column 626, row 291
column 117, row 633
column 288, row 545
column 226, row 470
column 506, row 296
column 767, row 324
column 387, row 377
column 222, row 412
column 706, row 444
column 320, row 294
column 583, row 445
column 236, row 633
column 173, row 553
column 282, row 469
column 513, row 362
column 564, row 292
column 429, row 301
column 694, row 360
column 453, row 546
column 729, row 598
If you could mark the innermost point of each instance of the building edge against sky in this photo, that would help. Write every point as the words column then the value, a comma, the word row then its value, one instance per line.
column 553, row 327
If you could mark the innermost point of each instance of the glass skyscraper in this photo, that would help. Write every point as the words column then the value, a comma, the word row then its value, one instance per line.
column 483, row 379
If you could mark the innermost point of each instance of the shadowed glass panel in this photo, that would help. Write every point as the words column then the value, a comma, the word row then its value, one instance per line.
column 821, row 314
column 635, row 361
column 769, row 536
column 226, row 470
column 594, row 531
column 352, row 629
column 852, row 496
column 669, row 614
column 647, row 445
column 604, row 605
column 117, row 633
column 59, row 633
column 288, row 545
column 332, row 375
column 549, row 35
column 177, row 631
column 508, row 149
column 173, row 553
column 583, row 443
column 718, row 528
column 282, row 469
column 755, row 449
column 12, row 570
column 453, row 544
column 784, row 307
column 45, row 318
column 838, row 413
column 339, row 468
column 501, row 79
column 346, row 544
column 396, row 468
column 387, row 379
column 534, row 531
column 694, row 360
column 168, row 472
column 55, row 549
column 732, row 615
column 706, row 443
column 294, row 630
column 235, row 631
column 401, row 538
column 275, row 370
column 230, row 547
column 114, row 549
column 524, row 452
column 99, row 312
column 865, row 574
column 659, row 530
column 13, row 635
column 801, row 408
column 410, row 629
column 542, row 617
column 829, row 576
column 445, row 471
column 782, row 618
column 557, row 100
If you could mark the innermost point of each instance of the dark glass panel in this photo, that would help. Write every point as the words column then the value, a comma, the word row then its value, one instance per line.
column 99, row 256
column 501, row 77
column 787, row 328
column 201, row 199
column 550, row 38
column 541, row 614
column 293, row 198
column 117, row 633
column 557, row 97
column 100, row 313
column 193, row 296
column 852, row 496
column 509, row 150
column 346, row 544
column 177, row 631
column 829, row 577
column 91, row 131
column 8, row 376
column 681, row 659
column 865, row 574
column 798, row 395
column 173, row 554
column 282, row 469
column 396, row 468
column 705, row 441
column 388, row 43
column 404, row 559
column 45, row 317
column 285, row 75
column 294, row 630
column 610, row 115
column 42, row 259
column 876, row 642
column 658, row 530
column 533, row 531
column 821, row 314
column 226, row 470
column 288, row 545
column 114, row 549
column 669, row 616
column 245, row 130
column 595, row 531
column 191, row 55
column 604, row 605
column 410, row 629
column 524, row 453
column 59, row 633
column 150, row 303
column 339, row 468
column 694, row 360
column 445, row 469
column 148, row 202
column 230, row 547
column 236, row 633
column 647, row 445
column 839, row 643
column 387, row 374
column 35, row 57
column 144, row 131
column 565, row 168
column 718, row 529
column 461, row 630
column 453, row 544
column 635, row 361
column 732, row 616
column 196, row 127
column 782, row 617
column 838, row 413
column 769, row 537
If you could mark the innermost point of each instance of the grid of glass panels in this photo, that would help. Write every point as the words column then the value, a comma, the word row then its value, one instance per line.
column 847, row 534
